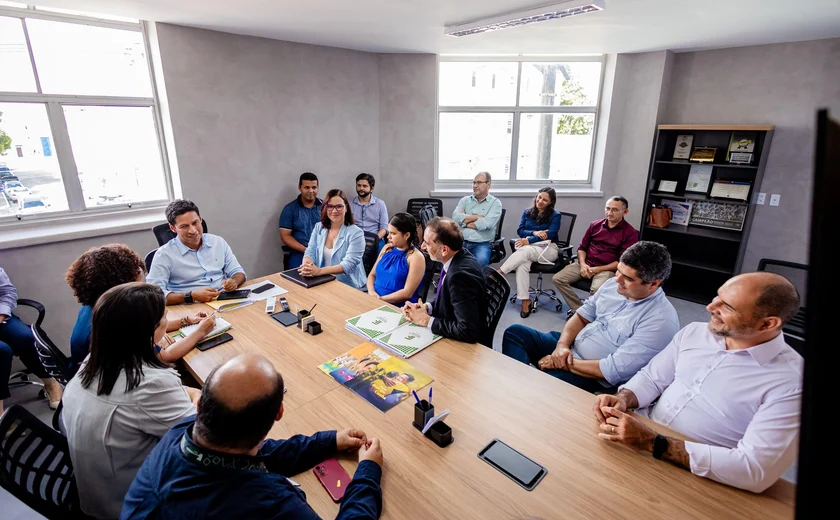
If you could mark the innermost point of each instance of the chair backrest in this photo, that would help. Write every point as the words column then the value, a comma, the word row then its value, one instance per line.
column 796, row 273
column 35, row 465
column 150, row 256
column 163, row 234
column 415, row 205
column 55, row 363
column 432, row 268
column 497, row 290
column 567, row 226
column 499, row 225
column 371, row 251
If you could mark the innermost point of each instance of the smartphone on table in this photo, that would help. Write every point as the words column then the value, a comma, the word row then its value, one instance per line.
column 333, row 477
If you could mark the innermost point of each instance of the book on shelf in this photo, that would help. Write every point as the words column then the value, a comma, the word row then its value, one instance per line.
column 387, row 327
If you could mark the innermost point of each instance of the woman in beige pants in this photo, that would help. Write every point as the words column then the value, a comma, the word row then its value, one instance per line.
column 538, row 229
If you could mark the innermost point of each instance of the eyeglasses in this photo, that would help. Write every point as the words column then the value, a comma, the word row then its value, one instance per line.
column 476, row 183
column 337, row 207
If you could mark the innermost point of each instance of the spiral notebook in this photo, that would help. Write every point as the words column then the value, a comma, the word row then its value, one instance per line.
column 222, row 326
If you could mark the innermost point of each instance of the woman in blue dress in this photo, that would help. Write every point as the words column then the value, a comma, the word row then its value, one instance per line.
column 398, row 272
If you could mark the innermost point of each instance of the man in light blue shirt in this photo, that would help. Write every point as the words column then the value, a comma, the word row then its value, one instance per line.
column 369, row 211
column 194, row 266
column 478, row 214
column 616, row 332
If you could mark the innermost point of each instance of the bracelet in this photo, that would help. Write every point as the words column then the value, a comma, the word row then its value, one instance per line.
column 184, row 322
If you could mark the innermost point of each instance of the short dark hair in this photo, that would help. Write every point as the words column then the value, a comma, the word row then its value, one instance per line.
column 122, row 336
column 619, row 198
column 779, row 298
column 100, row 268
column 307, row 176
column 236, row 428
column 650, row 260
column 348, row 216
column 366, row 177
column 176, row 208
column 448, row 232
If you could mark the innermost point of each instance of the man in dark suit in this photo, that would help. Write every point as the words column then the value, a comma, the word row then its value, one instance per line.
column 460, row 307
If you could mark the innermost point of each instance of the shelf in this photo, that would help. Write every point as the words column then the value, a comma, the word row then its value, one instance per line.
column 720, row 234
column 727, row 128
column 717, row 165
column 697, row 196
column 701, row 265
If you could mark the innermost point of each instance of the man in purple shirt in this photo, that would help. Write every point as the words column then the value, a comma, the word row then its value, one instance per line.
column 597, row 257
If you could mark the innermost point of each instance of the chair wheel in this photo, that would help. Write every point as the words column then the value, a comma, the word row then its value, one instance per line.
column 559, row 307
column 24, row 377
column 513, row 300
column 42, row 394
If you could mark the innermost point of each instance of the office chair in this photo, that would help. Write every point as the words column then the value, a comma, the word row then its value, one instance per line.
column 287, row 256
column 35, row 465
column 150, row 256
column 415, row 205
column 797, row 274
column 371, row 251
column 497, row 290
column 497, row 246
column 567, row 226
column 163, row 234
column 21, row 378
column 432, row 268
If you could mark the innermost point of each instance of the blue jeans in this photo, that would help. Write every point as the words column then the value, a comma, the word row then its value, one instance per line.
column 480, row 250
column 529, row 346
column 16, row 340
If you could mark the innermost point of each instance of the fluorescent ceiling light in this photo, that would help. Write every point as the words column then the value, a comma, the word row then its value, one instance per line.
column 537, row 14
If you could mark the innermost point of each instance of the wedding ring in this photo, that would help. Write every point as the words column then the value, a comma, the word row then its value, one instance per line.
column 613, row 429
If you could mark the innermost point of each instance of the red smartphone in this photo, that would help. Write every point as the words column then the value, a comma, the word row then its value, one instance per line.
column 333, row 477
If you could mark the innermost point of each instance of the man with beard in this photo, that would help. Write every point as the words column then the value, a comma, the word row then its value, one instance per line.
column 298, row 218
column 370, row 212
column 733, row 386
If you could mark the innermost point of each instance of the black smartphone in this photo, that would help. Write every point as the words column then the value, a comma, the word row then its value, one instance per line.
column 513, row 464
column 207, row 344
column 234, row 295
column 262, row 288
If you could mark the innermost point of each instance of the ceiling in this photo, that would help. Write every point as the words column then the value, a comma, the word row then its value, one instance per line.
column 417, row 25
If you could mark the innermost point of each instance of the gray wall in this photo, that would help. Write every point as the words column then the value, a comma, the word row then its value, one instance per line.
column 781, row 85
column 249, row 115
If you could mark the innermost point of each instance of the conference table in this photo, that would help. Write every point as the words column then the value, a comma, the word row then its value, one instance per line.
column 490, row 396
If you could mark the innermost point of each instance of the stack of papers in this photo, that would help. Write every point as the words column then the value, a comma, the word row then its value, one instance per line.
column 387, row 327
column 222, row 326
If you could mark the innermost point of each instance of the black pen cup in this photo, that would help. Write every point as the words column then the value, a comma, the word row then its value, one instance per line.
column 301, row 315
column 440, row 433
column 423, row 412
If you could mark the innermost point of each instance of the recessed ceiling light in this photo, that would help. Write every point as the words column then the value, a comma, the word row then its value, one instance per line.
column 516, row 19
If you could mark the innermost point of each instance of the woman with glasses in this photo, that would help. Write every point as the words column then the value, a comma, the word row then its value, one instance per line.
column 336, row 245
column 538, row 230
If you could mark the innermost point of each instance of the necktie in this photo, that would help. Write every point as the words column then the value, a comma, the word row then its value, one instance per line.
column 440, row 284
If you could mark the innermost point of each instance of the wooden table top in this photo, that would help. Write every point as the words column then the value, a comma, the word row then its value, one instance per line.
column 490, row 396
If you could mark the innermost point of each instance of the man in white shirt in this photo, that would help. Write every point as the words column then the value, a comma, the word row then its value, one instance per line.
column 733, row 385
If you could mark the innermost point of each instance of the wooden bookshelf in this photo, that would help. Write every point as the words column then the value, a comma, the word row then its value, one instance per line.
column 703, row 257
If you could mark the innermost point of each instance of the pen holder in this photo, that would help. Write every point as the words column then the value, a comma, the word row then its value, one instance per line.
column 313, row 328
column 423, row 411
column 301, row 315
column 440, row 433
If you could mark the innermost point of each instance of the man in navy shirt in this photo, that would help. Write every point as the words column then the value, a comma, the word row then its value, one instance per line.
column 218, row 463
column 298, row 218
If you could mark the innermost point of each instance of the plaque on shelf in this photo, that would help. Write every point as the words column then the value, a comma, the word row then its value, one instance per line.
column 703, row 154
column 668, row 186
column 739, row 190
column 740, row 158
column 742, row 142
column 699, row 178
column 680, row 211
column 718, row 215
column 683, row 148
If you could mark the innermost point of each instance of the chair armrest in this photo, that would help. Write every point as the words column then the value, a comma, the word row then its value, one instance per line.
column 35, row 305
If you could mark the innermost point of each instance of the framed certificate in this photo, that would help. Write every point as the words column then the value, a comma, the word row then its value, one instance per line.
column 668, row 186
column 718, row 215
column 683, row 148
column 699, row 178
column 739, row 190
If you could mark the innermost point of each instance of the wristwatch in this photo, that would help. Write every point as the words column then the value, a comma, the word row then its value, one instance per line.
column 660, row 446
column 188, row 298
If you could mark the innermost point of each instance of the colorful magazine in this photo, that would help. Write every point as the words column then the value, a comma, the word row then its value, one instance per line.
column 375, row 375
column 387, row 327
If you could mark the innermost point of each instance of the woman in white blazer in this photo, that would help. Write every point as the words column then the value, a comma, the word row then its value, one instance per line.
column 337, row 245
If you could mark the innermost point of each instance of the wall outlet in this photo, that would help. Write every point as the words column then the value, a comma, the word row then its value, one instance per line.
column 760, row 199
column 774, row 199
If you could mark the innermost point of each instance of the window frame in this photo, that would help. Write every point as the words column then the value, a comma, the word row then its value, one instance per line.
column 518, row 110
column 54, row 104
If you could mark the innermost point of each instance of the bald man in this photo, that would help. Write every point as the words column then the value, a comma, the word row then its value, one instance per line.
column 218, row 464
column 733, row 385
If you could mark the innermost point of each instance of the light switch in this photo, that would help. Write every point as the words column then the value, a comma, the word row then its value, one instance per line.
column 760, row 199
column 774, row 199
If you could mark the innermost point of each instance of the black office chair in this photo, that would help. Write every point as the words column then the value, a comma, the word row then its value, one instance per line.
column 432, row 268
column 163, row 234
column 150, row 256
column 287, row 255
column 371, row 251
column 497, row 289
column 567, row 226
column 21, row 378
column 797, row 274
column 497, row 246
column 415, row 205
column 35, row 465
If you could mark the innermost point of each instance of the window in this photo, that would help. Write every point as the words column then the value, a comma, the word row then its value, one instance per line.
column 525, row 121
column 79, row 122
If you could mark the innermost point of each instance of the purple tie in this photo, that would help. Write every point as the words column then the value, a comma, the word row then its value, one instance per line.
column 440, row 284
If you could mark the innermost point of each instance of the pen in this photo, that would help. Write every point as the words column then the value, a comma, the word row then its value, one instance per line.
column 430, row 395
column 312, row 309
column 415, row 396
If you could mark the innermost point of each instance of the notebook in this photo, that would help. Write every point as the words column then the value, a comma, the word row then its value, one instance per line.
column 388, row 328
column 222, row 326
column 306, row 281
